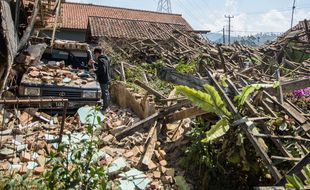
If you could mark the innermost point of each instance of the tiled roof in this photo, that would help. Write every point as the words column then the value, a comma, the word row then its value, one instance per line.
column 75, row 15
column 131, row 29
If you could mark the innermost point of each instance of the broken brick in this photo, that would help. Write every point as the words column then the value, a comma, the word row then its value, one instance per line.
column 108, row 139
column 158, row 155
column 128, row 154
column 23, row 169
column 151, row 165
column 162, row 153
column 156, row 174
column 25, row 118
column 38, row 170
column 163, row 169
column 25, row 156
column 163, row 163
column 41, row 160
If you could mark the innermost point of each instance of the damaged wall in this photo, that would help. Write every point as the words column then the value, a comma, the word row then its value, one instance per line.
column 126, row 99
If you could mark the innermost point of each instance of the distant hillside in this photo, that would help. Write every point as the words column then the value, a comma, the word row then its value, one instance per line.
column 255, row 40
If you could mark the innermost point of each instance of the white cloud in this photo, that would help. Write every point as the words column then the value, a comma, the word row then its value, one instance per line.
column 244, row 24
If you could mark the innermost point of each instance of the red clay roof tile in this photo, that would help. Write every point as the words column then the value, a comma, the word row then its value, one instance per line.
column 75, row 15
column 131, row 29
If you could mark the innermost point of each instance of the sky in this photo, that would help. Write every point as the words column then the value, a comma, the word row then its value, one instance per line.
column 250, row 16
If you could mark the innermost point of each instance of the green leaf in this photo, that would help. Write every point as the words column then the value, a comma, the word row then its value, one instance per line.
column 246, row 91
column 216, row 99
column 181, row 183
column 295, row 182
column 234, row 158
column 306, row 172
column 217, row 130
column 223, row 83
column 210, row 102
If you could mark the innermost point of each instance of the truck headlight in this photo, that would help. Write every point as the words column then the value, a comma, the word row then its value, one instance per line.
column 30, row 91
column 89, row 94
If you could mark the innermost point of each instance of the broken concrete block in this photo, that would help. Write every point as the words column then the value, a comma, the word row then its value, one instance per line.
column 15, row 167
column 163, row 163
column 126, row 185
column 136, row 151
column 21, row 147
column 25, row 156
column 116, row 166
column 31, row 165
column 156, row 174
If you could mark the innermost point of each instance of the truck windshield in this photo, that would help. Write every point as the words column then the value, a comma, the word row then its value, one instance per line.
column 77, row 59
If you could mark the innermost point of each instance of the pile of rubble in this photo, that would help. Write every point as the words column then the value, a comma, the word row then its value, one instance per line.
column 56, row 73
column 280, row 68
column 29, row 136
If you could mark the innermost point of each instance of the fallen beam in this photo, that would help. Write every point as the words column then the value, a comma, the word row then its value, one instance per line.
column 171, row 75
column 290, row 86
column 150, row 147
column 149, row 89
column 247, row 126
column 296, row 169
column 188, row 113
column 149, row 120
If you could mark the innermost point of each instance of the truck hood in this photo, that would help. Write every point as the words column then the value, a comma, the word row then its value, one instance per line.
column 45, row 75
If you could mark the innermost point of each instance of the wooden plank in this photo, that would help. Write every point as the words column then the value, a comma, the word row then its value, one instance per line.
column 288, row 109
column 280, row 91
column 149, row 89
column 149, row 120
column 171, row 75
column 123, row 76
column 290, row 86
column 150, row 147
column 295, row 170
column 29, row 28
column 277, row 142
column 246, row 128
column 187, row 113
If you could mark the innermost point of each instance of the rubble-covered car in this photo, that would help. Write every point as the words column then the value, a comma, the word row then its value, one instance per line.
column 62, row 74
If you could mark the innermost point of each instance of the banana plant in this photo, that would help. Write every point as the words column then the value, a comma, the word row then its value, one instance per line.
column 211, row 102
column 294, row 182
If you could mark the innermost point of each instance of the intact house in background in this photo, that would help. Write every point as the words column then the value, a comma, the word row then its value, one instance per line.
column 76, row 18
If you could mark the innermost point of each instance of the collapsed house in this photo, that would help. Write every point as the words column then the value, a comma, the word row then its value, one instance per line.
column 74, row 20
column 272, row 126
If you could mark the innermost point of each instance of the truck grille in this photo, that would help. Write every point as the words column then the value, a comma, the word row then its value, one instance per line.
column 63, row 94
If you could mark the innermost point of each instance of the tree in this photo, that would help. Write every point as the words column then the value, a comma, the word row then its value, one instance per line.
column 9, row 40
